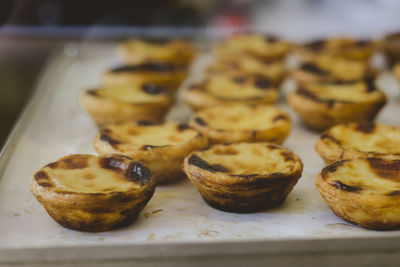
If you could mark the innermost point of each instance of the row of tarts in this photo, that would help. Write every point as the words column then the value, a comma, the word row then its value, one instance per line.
column 230, row 147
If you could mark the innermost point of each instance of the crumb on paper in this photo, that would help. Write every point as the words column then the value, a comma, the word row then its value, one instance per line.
column 313, row 218
column 148, row 214
column 210, row 233
column 16, row 214
column 150, row 237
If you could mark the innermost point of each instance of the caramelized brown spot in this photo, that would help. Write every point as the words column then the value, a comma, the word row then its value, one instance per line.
column 366, row 128
column 45, row 184
column 280, row 117
column 288, row 156
column 262, row 83
column 345, row 187
column 388, row 169
column 311, row 67
column 394, row 193
column 108, row 139
column 330, row 137
column 199, row 162
column 316, row 45
column 332, row 168
column 112, row 163
column 153, row 89
column 182, row 127
column 147, row 123
column 75, row 162
column 93, row 92
column 138, row 173
column 53, row 165
column 200, row 121
column 41, row 175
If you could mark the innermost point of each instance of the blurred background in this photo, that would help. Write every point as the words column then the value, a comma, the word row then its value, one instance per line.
column 31, row 30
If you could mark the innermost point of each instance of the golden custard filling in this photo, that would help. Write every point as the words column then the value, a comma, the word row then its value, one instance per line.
column 133, row 94
column 373, row 176
column 242, row 117
column 373, row 138
column 352, row 92
column 91, row 177
column 132, row 136
column 250, row 158
column 240, row 87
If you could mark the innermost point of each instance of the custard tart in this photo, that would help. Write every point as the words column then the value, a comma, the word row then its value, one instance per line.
column 324, row 68
column 230, row 89
column 243, row 177
column 89, row 193
column 242, row 123
column 354, row 140
column 137, row 51
column 116, row 104
column 364, row 191
column 160, row 146
column 322, row 105
column 350, row 48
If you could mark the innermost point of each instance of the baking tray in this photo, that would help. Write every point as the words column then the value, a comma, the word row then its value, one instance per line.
column 176, row 227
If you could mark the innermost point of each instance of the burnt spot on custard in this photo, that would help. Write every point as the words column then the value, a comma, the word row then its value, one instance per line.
column 239, row 79
column 108, row 139
column 288, row 156
column 344, row 187
column 182, row 127
column 148, row 123
column 393, row 193
column 138, row 173
column 262, row 82
column 200, row 121
column 41, row 175
column 388, row 169
column 329, row 137
column 75, row 162
column 362, row 43
column 313, row 68
column 153, row 89
column 197, row 86
column 332, row 168
column 53, row 165
column 316, row 45
column 202, row 164
column 271, row 39
column 366, row 128
column 112, row 163
column 93, row 92
column 147, row 66
column 280, row 117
